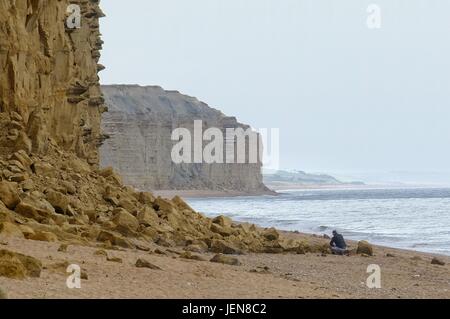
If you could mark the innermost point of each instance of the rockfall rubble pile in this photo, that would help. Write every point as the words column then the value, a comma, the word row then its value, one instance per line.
column 62, row 198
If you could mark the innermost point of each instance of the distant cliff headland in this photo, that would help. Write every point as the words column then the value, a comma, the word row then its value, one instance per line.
column 281, row 179
column 140, row 123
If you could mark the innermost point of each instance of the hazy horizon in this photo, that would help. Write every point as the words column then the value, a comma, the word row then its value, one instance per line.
column 346, row 98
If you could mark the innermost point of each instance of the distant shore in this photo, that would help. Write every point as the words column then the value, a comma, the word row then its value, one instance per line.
column 209, row 193
column 280, row 187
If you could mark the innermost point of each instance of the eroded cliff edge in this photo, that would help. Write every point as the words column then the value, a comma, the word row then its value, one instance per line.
column 139, row 124
column 50, row 96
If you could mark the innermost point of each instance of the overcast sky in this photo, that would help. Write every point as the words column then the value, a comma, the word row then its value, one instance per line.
column 345, row 97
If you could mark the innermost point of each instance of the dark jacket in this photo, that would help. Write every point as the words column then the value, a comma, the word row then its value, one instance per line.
column 338, row 241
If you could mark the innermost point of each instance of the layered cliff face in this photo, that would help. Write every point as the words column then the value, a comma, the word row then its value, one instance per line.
column 50, row 96
column 140, row 122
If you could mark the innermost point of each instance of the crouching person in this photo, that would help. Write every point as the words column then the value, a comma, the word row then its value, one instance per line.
column 338, row 245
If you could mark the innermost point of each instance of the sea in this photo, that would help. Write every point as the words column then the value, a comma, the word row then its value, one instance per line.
column 407, row 218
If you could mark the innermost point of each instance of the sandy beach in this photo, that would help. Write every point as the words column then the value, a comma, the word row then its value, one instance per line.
column 404, row 274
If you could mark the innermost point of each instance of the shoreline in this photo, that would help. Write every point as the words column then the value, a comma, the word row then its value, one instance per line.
column 277, row 190
column 354, row 243
column 169, row 194
column 295, row 187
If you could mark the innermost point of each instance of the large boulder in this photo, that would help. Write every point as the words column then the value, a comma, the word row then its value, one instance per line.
column 223, row 231
column 9, row 194
column 35, row 207
column 43, row 236
column 128, row 204
column 10, row 230
column 68, row 187
column 113, row 239
column 18, row 266
column 59, row 201
column 223, row 221
column 165, row 206
column 23, row 158
column 364, row 248
column 31, row 264
column 247, row 228
column 44, row 169
column 126, row 224
column 145, row 198
column 271, row 234
column 437, row 261
column 289, row 245
column 147, row 216
column 223, row 247
column 11, row 267
column 273, row 247
column 27, row 231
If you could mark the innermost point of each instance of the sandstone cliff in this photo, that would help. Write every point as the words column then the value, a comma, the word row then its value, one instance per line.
column 50, row 186
column 140, row 122
column 49, row 89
